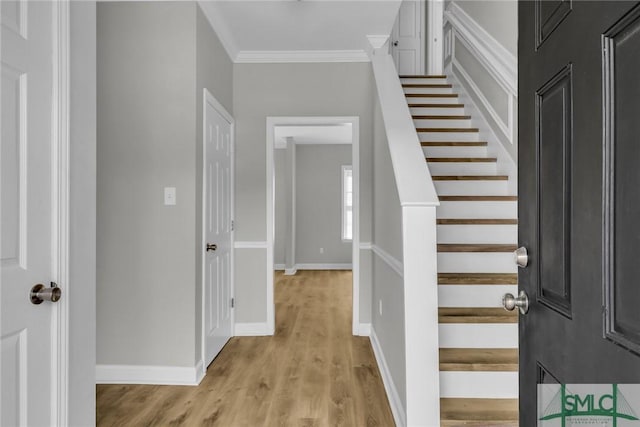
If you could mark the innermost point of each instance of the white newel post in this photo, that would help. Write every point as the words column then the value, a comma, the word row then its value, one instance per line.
column 421, row 315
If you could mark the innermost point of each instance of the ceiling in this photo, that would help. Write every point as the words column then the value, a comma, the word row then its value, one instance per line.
column 259, row 29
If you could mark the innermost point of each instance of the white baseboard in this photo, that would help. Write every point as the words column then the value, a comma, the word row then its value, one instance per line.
column 344, row 266
column 158, row 375
column 397, row 408
column 364, row 329
column 278, row 267
column 290, row 271
column 251, row 329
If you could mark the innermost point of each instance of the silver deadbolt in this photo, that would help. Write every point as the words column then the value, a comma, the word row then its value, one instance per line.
column 211, row 247
column 521, row 257
column 40, row 293
column 522, row 302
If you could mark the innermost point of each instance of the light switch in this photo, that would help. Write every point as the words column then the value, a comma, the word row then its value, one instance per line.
column 169, row 196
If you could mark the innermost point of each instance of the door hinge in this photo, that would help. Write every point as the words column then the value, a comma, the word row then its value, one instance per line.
column 233, row 224
column 233, row 302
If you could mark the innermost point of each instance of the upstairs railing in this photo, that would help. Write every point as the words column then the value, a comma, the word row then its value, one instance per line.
column 418, row 200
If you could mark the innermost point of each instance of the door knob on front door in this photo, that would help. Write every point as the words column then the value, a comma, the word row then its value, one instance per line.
column 510, row 302
column 39, row 293
column 211, row 247
column 521, row 257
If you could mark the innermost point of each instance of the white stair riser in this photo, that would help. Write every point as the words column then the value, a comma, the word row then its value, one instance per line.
column 456, row 151
column 463, row 168
column 442, row 123
column 477, row 233
column 433, row 100
column 471, row 188
column 478, row 335
column 475, row 209
column 476, row 262
column 473, row 295
column 488, row 385
column 449, row 136
column 429, row 90
column 432, row 111
column 442, row 81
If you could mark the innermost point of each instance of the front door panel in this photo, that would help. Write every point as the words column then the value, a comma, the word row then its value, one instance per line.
column 578, row 194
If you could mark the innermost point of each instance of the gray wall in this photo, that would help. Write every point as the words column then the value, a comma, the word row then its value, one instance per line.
column 318, row 205
column 82, row 210
column 498, row 17
column 388, row 285
column 262, row 90
column 153, row 60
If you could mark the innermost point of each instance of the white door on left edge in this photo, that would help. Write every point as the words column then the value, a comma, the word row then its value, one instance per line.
column 218, row 155
column 407, row 47
column 26, row 343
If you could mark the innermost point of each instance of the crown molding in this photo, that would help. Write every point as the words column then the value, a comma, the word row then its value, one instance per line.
column 301, row 56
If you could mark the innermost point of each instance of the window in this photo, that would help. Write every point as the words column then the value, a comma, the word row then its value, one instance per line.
column 347, row 202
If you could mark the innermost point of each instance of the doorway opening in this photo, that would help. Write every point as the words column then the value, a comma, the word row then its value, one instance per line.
column 283, row 132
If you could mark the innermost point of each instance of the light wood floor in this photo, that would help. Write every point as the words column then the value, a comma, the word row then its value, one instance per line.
column 313, row 372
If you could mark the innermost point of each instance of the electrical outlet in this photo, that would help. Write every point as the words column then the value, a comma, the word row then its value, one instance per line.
column 321, row 250
column 380, row 306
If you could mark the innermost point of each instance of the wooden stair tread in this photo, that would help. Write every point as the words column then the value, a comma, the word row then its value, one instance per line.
column 461, row 159
column 479, row 359
column 478, row 412
column 477, row 278
column 427, row 85
column 436, row 105
column 477, row 221
column 431, row 95
column 453, row 143
column 478, row 198
column 476, row 315
column 470, row 177
column 433, row 76
column 476, row 247
column 448, row 130
column 440, row 117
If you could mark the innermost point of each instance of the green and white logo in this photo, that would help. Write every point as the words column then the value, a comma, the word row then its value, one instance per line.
column 610, row 405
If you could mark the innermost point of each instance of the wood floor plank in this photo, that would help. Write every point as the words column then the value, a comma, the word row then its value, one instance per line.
column 476, row 315
column 477, row 278
column 312, row 372
column 479, row 359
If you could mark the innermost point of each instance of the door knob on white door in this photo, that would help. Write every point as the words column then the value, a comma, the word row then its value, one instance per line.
column 40, row 293
column 509, row 302
column 211, row 247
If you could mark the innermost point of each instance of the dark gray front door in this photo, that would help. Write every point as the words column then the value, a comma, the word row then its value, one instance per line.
column 579, row 194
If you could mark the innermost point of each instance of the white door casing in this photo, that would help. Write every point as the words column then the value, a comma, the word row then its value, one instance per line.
column 407, row 38
column 33, row 210
column 217, row 227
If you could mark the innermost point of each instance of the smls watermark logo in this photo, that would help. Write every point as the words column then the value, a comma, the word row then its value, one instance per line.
column 602, row 405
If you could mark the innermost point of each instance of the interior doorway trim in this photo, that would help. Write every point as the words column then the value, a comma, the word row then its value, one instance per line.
column 272, row 123
column 61, row 196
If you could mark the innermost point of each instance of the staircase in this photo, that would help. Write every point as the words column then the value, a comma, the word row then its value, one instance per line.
column 477, row 233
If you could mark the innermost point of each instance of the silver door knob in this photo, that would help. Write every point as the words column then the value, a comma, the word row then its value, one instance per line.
column 40, row 293
column 510, row 302
column 521, row 257
column 211, row 247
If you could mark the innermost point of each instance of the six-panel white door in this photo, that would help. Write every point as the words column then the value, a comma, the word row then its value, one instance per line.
column 27, row 240
column 407, row 46
column 218, row 210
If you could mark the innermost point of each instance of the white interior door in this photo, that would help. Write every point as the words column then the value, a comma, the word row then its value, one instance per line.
column 407, row 38
column 218, row 211
column 27, row 254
